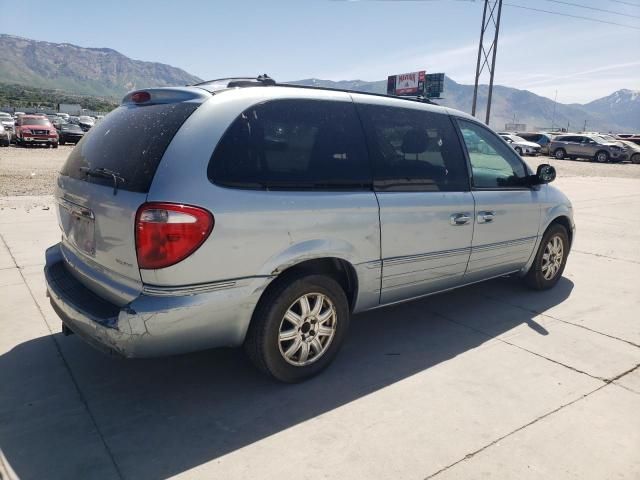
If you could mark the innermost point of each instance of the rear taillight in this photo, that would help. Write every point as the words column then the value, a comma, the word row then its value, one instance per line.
column 140, row 97
column 167, row 233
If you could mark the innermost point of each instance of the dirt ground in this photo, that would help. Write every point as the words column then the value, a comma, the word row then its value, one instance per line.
column 32, row 171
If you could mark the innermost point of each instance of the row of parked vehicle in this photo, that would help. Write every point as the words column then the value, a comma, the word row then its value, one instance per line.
column 599, row 147
column 43, row 129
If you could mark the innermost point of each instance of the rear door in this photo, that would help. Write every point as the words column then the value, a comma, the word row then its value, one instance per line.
column 507, row 213
column 99, row 189
column 426, row 209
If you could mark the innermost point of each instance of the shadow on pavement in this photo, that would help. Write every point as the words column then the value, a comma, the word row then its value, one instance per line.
column 161, row 417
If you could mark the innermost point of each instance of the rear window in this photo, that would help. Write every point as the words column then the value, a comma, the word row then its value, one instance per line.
column 291, row 145
column 129, row 141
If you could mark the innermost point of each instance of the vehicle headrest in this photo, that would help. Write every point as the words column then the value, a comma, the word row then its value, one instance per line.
column 415, row 141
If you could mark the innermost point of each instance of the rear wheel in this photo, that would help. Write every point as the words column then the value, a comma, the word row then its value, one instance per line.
column 602, row 157
column 298, row 327
column 559, row 153
column 635, row 158
column 550, row 260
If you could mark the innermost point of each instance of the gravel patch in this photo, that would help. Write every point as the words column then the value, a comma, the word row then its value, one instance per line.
column 32, row 171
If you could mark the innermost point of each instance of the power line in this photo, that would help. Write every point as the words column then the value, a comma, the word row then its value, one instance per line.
column 572, row 16
column 626, row 3
column 593, row 8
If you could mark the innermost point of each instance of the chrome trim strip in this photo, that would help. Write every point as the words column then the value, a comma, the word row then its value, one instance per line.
column 507, row 243
column 426, row 256
column 176, row 291
column 74, row 208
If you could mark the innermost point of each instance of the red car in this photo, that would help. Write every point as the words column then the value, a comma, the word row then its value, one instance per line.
column 35, row 130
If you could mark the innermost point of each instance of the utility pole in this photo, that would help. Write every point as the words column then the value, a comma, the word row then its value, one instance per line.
column 490, row 21
column 584, row 129
column 555, row 102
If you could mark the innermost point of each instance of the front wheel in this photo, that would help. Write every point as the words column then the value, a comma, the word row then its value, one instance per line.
column 298, row 327
column 602, row 157
column 635, row 158
column 550, row 260
column 559, row 153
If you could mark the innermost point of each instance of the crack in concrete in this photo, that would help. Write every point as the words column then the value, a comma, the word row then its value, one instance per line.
column 535, row 420
column 482, row 332
column 613, row 337
column 606, row 382
column 626, row 260
column 83, row 400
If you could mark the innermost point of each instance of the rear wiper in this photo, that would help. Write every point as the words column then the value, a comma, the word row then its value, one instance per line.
column 104, row 173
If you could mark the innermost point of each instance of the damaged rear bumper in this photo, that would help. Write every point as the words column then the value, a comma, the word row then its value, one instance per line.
column 160, row 321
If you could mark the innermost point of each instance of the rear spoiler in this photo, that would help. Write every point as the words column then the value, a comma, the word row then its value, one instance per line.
column 154, row 96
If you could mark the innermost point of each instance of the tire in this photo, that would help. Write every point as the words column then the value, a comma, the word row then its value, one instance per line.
column 263, row 344
column 518, row 151
column 61, row 142
column 601, row 157
column 559, row 154
column 536, row 277
column 54, row 145
column 635, row 158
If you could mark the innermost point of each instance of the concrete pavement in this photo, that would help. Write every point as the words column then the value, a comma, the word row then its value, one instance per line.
column 490, row 381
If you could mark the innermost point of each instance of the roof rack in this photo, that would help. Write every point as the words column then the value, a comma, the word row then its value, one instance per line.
column 232, row 82
column 266, row 80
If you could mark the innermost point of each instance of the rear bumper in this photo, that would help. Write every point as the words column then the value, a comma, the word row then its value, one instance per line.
column 157, row 324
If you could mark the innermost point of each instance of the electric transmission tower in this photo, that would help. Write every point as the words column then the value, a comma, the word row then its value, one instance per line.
column 487, row 52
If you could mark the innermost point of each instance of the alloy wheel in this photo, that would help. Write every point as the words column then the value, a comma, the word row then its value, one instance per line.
column 307, row 329
column 552, row 257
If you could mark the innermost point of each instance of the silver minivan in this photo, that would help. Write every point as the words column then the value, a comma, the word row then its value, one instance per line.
column 244, row 212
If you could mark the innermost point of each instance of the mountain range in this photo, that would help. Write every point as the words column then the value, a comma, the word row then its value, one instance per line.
column 107, row 73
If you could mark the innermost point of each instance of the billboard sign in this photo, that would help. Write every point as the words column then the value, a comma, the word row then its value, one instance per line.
column 434, row 85
column 406, row 84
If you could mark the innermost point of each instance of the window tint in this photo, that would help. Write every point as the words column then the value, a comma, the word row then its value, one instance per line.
column 494, row 164
column 293, row 144
column 131, row 141
column 414, row 149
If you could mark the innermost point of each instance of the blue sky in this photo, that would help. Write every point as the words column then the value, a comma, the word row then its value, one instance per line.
column 295, row 39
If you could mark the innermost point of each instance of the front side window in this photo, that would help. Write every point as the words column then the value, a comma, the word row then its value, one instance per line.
column 293, row 144
column 493, row 163
column 414, row 149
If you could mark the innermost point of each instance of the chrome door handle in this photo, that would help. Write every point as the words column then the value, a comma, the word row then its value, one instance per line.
column 460, row 219
column 486, row 217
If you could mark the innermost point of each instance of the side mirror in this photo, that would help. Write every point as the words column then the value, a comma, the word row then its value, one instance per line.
column 545, row 174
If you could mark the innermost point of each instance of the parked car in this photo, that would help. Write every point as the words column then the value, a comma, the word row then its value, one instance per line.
column 634, row 139
column 266, row 214
column 70, row 133
column 592, row 147
column 86, row 122
column 541, row 138
column 5, row 138
column 520, row 145
column 7, row 124
column 64, row 116
column 35, row 130
column 632, row 150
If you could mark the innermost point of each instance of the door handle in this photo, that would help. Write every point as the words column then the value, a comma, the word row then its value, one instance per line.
column 458, row 219
column 486, row 217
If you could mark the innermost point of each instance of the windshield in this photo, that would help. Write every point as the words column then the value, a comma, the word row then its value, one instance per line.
column 36, row 121
column 71, row 127
column 86, row 119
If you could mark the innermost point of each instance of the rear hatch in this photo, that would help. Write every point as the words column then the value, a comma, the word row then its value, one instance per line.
column 106, row 179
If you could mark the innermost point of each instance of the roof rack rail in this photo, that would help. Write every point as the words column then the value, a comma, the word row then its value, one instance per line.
column 266, row 80
column 239, row 81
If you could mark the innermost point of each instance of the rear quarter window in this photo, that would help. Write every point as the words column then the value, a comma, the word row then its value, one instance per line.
column 130, row 141
column 293, row 144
